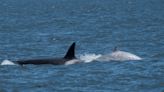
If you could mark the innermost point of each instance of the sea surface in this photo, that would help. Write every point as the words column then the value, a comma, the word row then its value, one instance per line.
column 46, row 28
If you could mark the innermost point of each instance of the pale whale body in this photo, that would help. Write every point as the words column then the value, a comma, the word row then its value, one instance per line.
column 122, row 55
column 119, row 55
column 69, row 58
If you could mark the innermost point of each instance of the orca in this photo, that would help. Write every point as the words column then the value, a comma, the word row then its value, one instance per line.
column 123, row 56
column 69, row 56
column 118, row 55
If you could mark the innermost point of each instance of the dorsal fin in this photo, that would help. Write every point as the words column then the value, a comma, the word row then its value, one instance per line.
column 71, row 52
column 115, row 49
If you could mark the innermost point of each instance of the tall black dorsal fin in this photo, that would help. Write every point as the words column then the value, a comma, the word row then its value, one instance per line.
column 71, row 52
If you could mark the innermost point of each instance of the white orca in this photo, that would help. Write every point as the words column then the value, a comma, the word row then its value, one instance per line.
column 119, row 55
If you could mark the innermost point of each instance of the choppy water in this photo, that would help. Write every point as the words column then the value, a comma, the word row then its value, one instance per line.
column 45, row 28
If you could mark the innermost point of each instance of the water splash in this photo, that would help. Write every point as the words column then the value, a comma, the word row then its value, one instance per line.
column 89, row 57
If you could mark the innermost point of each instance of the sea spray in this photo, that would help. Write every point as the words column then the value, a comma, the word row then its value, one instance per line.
column 89, row 57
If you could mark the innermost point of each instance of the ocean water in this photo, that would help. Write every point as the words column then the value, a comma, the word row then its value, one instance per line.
column 46, row 28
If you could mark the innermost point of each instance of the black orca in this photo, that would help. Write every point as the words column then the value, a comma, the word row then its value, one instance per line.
column 70, row 55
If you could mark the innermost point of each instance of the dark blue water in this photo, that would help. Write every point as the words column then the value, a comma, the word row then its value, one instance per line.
column 45, row 28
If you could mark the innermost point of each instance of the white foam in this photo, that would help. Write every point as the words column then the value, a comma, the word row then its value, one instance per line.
column 89, row 57
column 7, row 62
